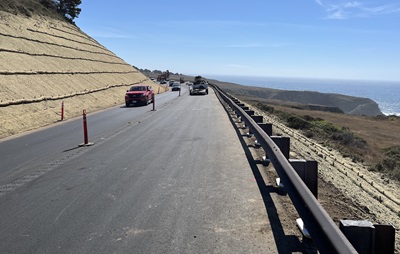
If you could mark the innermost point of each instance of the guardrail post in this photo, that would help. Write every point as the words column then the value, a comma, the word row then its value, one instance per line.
column 308, row 172
column 369, row 238
column 267, row 128
column 384, row 238
column 249, row 112
column 283, row 143
column 361, row 235
column 257, row 119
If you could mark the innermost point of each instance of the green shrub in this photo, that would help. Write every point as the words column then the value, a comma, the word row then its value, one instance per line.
column 339, row 137
column 308, row 134
column 265, row 107
column 347, row 138
column 297, row 122
column 308, row 118
column 391, row 164
column 342, row 138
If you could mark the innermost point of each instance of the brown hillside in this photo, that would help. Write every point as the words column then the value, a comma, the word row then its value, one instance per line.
column 45, row 61
column 380, row 132
column 348, row 104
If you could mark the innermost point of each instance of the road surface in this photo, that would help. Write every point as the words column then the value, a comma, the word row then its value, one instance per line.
column 174, row 180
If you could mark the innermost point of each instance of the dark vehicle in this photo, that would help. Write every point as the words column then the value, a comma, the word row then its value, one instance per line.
column 139, row 94
column 200, row 86
column 176, row 86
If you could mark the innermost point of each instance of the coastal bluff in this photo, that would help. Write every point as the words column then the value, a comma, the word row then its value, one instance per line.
column 347, row 104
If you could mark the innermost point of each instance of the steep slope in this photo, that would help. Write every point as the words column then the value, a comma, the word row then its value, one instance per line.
column 45, row 61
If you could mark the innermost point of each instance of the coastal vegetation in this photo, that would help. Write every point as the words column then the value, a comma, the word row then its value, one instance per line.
column 66, row 9
column 391, row 164
column 342, row 138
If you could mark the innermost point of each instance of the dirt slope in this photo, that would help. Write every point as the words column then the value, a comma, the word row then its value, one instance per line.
column 45, row 61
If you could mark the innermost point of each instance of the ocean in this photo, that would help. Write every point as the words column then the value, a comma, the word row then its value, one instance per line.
column 385, row 93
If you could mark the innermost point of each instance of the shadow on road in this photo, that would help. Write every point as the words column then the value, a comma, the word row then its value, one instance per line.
column 71, row 149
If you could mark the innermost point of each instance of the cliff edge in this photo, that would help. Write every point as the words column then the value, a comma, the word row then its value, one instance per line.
column 348, row 104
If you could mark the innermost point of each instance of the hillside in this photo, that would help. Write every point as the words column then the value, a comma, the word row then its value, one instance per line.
column 45, row 61
column 379, row 134
column 331, row 102
column 348, row 104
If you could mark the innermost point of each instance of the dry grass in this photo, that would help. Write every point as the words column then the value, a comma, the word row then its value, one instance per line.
column 374, row 141
column 378, row 132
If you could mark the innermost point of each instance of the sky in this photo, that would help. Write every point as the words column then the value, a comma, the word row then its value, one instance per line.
column 330, row 39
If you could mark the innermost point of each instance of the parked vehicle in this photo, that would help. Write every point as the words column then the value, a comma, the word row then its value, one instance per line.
column 176, row 86
column 139, row 94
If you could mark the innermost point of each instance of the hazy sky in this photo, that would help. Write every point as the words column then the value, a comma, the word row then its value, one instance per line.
column 282, row 38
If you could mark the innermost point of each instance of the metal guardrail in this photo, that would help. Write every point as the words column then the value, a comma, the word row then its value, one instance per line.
column 326, row 235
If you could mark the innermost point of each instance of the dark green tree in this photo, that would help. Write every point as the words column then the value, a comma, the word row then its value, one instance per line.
column 68, row 8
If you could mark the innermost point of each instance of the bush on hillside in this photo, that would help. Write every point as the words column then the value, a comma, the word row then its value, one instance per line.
column 391, row 164
column 297, row 122
column 340, row 137
column 26, row 7
column 265, row 107
column 68, row 8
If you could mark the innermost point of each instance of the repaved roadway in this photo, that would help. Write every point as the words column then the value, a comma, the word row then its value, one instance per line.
column 174, row 180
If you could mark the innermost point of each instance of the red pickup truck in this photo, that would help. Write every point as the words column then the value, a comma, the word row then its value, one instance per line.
column 139, row 94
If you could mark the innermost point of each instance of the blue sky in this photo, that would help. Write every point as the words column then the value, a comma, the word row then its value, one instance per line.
column 276, row 38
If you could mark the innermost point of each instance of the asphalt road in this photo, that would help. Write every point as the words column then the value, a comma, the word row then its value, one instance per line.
column 174, row 180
